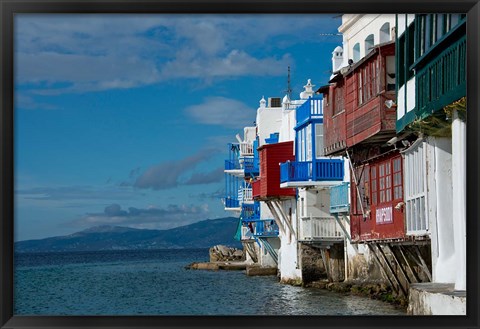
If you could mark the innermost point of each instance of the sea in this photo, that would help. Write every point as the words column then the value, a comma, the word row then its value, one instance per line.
column 155, row 282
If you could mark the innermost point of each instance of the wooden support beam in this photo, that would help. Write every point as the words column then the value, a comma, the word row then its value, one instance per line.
column 414, row 274
column 397, row 260
column 424, row 265
column 372, row 250
column 326, row 264
column 276, row 217
column 339, row 222
column 420, row 262
column 392, row 272
column 285, row 218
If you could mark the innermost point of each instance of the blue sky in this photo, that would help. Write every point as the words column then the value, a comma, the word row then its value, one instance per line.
column 124, row 119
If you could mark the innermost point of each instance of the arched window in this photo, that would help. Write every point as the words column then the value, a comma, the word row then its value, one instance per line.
column 369, row 42
column 385, row 33
column 356, row 52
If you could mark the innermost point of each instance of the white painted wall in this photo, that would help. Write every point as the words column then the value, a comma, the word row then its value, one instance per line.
column 357, row 27
column 439, row 192
column 459, row 216
column 288, row 252
column 269, row 120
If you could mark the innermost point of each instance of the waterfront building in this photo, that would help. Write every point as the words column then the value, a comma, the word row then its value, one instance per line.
column 360, row 125
column 431, row 116
column 319, row 234
column 257, row 229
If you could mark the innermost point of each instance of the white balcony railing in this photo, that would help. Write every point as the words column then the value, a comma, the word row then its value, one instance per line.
column 245, row 194
column 246, row 149
column 320, row 228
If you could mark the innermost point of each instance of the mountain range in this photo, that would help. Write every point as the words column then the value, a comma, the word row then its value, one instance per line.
column 203, row 234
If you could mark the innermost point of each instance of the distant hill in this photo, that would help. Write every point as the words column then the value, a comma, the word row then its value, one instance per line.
column 202, row 234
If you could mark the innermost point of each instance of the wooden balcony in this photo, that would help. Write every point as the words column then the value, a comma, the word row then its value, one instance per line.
column 311, row 109
column 246, row 149
column 321, row 172
column 267, row 186
column 339, row 201
column 442, row 80
column 321, row 229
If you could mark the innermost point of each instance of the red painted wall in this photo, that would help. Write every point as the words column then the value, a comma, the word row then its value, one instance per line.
column 271, row 155
column 383, row 220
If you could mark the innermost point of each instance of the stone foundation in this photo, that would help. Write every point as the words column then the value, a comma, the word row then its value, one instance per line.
column 436, row 299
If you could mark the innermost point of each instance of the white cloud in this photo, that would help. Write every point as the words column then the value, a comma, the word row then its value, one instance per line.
column 99, row 52
column 222, row 111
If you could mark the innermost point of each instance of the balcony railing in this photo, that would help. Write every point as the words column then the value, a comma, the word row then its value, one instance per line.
column 311, row 109
column 231, row 203
column 443, row 80
column 339, row 202
column 250, row 166
column 266, row 228
column 259, row 228
column 315, row 228
column 246, row 149
column 319, row 170
column 245, row 194
column 250, row 212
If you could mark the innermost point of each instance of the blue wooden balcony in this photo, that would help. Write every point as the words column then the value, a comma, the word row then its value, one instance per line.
column 339, row 201
column 305, row 173
column 265, row 228
column 250, row 212
column 232, row 162
column 233, row 184
column 250, row 165
column 311, row 109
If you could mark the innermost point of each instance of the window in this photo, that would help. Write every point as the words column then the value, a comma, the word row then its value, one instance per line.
column 369, row 42
column 309, row 142
column 385, row 33
column 338, row 94
column 318, row 140
column 397, row 179
column 369, row 81
column 385, row 182
column 356, row 52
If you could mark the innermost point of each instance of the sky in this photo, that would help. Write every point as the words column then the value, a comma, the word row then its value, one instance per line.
column 124, row 119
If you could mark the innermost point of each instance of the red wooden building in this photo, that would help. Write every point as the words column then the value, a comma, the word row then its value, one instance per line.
column 359, row 119
column 355, row 109
column 377, row 208
column 267, row 185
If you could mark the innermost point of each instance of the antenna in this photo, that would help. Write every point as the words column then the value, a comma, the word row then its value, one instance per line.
column 289, row 89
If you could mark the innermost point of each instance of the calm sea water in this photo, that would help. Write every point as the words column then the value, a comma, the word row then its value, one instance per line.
column 156, row 283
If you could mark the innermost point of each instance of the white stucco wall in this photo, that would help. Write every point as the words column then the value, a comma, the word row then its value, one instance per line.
column 459, row 216
column 355, row 29
column 269, row 120
column 288, row 252
column 439, row 193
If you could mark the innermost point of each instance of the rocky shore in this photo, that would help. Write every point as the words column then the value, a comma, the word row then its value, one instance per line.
column 378, row 291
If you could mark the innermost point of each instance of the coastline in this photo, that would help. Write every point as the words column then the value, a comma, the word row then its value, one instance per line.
column 378, row 291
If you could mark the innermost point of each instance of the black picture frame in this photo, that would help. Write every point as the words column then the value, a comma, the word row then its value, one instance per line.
column 9, row 8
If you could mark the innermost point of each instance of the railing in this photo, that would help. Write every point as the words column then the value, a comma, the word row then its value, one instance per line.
column 231, row 203
column 320, row 228
column 232, row 161
column 232, row 164
column 311, row 109
column 318, row 170
column 246, row 149
column 250, row 165
column 266, row 228
column 250, row 212
column 339, row 202
column 245, row 194
column 443, row 80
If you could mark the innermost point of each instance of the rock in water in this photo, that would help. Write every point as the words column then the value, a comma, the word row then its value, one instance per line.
column 220, row 253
